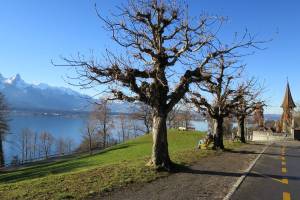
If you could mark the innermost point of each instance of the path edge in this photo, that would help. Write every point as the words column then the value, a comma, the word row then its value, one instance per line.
column 238, row 183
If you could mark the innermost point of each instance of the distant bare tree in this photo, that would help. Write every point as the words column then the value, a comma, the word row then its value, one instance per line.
column 228, row 127
column 144, row 113
column 124, row 126
column 35, row 144
column 249, row 98
column 210, row 121
column 180, row 116
column 89, row 136
column 135, row 127
column 15, row 161
column 46, row 142
column 25, row 140
column 103, row 121
column 28, row 144
column 173, row 120
column 258, row 115
column 186, row 115
column 70, row 145
column 156, row 36
column 4, row 128
column 224, row 92
column 61, row 146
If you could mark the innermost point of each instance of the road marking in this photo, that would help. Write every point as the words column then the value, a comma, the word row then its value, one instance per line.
column 286, row 196
column 282, row 158
column 283, row 170
column 246, row 173
column 285, row 181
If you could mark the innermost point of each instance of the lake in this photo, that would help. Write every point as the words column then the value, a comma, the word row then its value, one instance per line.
column 59, row 127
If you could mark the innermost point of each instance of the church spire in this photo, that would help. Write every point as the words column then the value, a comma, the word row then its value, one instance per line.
column 288, row 102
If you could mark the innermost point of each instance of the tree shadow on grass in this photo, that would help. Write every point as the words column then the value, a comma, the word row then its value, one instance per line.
column 32, row 174
column 39, row 170
column 110, row 149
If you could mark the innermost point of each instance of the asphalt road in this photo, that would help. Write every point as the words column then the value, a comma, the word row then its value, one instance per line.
column 276, row 175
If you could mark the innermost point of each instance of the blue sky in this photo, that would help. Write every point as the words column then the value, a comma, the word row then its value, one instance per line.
column 33, row 32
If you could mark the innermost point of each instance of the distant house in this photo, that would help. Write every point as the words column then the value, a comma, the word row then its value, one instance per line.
column 186, row 128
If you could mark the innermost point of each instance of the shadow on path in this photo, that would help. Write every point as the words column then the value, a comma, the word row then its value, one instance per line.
column 185, row 169
column 256, row 153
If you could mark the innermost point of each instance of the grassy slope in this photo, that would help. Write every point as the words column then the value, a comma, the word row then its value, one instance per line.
column 81, row 176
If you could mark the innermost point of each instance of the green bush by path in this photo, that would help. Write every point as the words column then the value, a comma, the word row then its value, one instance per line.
column 81, row 176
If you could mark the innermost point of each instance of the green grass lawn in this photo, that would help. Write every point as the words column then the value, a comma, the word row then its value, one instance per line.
column 81, row 176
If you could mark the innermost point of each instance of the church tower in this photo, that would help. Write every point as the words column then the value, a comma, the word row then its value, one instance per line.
column 288, row 106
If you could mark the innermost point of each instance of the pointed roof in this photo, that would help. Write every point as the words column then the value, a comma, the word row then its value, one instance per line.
column 288, row 101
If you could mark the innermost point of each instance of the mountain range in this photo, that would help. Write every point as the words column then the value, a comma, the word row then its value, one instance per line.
column 25, row 96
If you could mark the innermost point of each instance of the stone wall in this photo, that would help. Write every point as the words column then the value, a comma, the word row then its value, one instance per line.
column 269, row 136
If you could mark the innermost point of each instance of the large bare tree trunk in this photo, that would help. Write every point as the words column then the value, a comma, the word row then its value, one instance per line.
column 241, row 129
column 218, row 140
column 160, row 154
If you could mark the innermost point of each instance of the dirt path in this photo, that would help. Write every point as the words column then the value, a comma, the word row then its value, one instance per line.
column 211, row 178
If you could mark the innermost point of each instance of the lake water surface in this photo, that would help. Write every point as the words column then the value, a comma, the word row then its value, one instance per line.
column 59, row 127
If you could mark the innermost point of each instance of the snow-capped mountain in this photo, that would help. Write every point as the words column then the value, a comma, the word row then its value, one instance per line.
column 22, row 95
column 16, row 81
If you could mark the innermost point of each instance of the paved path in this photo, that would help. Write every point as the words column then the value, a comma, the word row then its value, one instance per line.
column 276, row 175
column 210, row 179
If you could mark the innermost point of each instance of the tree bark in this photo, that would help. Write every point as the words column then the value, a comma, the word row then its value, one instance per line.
column 160, row 154
column 241, row 129
column 1, row 153
column 218, row 139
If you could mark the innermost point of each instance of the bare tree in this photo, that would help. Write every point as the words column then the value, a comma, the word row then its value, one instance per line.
column 144, row 113
column 15, row 161
column 258, row 115
column 46, row 142
column 185, row 115
column 224, row 95
column 97, row 130
column 62, row 146
column 228, row 127
column 124, row 126
column 35, row 145
column 25, row 140
column 89, row 136
column 248, row 100
column 4, row 128
column 157, row 36
column 180, row 115
column 28, row 145
column 173, row 120
column 135, row 127
column 69, row 145
column 102, row 117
